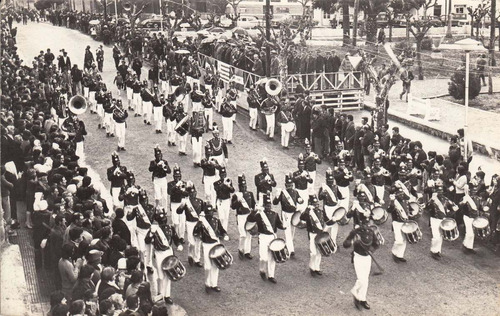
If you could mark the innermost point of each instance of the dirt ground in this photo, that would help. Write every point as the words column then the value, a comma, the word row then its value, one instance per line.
column 484, row 101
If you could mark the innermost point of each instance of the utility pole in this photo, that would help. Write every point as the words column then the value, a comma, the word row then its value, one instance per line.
column 268, row 38
column 493, row 11
column 448, row 29
column 355, row 23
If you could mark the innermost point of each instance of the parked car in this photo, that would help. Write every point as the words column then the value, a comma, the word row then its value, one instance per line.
column 153, row 22
column 435, row 21
column 248, row 22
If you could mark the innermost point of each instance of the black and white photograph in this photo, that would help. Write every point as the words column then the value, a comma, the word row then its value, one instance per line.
column 249, row 157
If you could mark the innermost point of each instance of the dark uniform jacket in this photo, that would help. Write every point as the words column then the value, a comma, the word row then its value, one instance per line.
column 262, row 184
column 301, row 181
column 117, row 181
column 222, row 190
column 198, row 206
column 175, row 192
column 200, row 230
column 236, row 202
column 286, row 205
column 159, row 243
column 157, row 170
column 274, row 220
column 312, row 226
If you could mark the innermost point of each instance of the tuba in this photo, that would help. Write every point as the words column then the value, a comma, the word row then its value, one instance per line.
column 127, row 6
column 273, row 87
column 77, row 105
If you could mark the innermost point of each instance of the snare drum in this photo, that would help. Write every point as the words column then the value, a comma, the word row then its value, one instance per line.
column 481, row 227
column 251, row 227
column 449, row 229
column 279, row 250
column 220, row 257
column 412, row 232
column 413, row 210
column 325, row 244
column 379, row 215
column 173, row 268
column 339, row 214
column 289, row 127
column 296, row 221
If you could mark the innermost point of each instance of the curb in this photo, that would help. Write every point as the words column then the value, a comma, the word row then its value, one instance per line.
column 436, row 130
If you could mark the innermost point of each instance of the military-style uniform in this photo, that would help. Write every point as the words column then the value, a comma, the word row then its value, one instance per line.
column 315, row 220
column 136, row 98
column 169, row 112
column 159, row 168
column 218, row 146
column 192, row 208
column 223, row 189
column 310, row 161
column 243, row 202
column 116, row 175
column 158, row 104
column 264, row 181
column 162, row 236
column 176, row 189
column 328, row 194
column 302, row 179
column 268, row 223
column 398, row 207
column 290, row 201
column 343, row 177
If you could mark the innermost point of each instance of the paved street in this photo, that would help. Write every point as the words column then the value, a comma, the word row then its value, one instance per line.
column 459, row 284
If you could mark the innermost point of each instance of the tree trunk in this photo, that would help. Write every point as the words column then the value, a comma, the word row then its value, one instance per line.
column 471, row 26
column 371, row 29
column 492, row 33
column 448, row 29
column 477, row 31
column 408, row 28
column 355, row 23
column 390, row 31
column 419, row 59
column 346, row 28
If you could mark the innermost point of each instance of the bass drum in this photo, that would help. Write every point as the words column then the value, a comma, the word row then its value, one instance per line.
column 173, row 268
column 279, row 250
column 325, row 244
column 183, row 126
column 220, row 257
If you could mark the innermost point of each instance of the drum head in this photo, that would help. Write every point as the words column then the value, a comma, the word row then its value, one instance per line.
column 413, row 208
column 289, row 127
column 323, row 236
column 250, row 225
column 169, row 262
column 409, row 227
column 448, row 224
column 277, row 244
column 378, row 213
column 217, row 251
column 338, row 214
column 296, row 219
column 480, row 222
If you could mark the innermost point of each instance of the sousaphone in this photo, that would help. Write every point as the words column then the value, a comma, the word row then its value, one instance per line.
column 77, row 105
column 273, row 87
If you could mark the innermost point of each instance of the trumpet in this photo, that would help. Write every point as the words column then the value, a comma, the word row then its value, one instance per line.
column 228, row 182
column 347, row 172
column 162, row 165
column 117, row 172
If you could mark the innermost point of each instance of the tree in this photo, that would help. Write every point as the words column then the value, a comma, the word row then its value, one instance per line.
column 477, row 14
column 235, row 15
column 456, row 86
column 408, row 6
column 217, row 7
column 47, row 4
column 136, row 9
column 372, row 8
column 331, row 6
column 394, row 8
column 419, row 29
column 427, row 5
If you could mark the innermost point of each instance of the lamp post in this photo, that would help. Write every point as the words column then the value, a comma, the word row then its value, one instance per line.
column 268, row 38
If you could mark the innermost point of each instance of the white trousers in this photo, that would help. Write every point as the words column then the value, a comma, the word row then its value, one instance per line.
column 304, row 195
column 310, row 186
column 147, row 108
column 236, row 107
column 209, row 88
column 399, row 246
column 270, row 125
column 158, row 117
column 171, row 134
column 223, row 208
column 315, row 255
column 469, row 232
column 160, row 189
column 92, row 101
column 253, row 117
column 109, row 123
column 332, row 229
column 227, row 128
column 194, row 250
column 115, row 193
column 267, row 263
column 245, row 244
column 86, row 92
column 208, row 183
column 197, row 143
column 197, row 107
column 362, row 266
column 79, row 151
column 144, row 249
column 164, row 87
column 137, row 103
column 179, row 220
column 182, row 142
column 344, row 202
column 285, row 136
column 100, row 112
column 120, row 133
column 211, row 270
column 164, row 281
column 437, row 238
column 132, row 226
column 130, row 94
column 289, row 230
column 209, row 117
column 380, row 193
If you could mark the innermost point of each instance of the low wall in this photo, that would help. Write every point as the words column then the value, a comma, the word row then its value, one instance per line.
column 480, row 146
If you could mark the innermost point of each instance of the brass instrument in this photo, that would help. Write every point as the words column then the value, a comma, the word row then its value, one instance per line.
column 77, row 105
column 119, row 113
column 198, row 120
column 117, row 171
column 273, row 87
column 163, row 165
column 127, row 6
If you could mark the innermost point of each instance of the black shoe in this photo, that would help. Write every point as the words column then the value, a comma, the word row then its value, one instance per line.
column 397, row 259
column 365, row 304
column 207, row 289
column 240, row 254
column 285, row 148
column 181, row 241
column 139, row 114
column 229, row 142
column 159, row 131
column 198, row 264
column 435, row 255
column 173, row 144
column 357, row 303
column 168, row 300
column 148, row 123
column 190, row 261
column 263, row 275
column 123, row 149
column 107, row 134
column 98, row 126
column 136, row 115
column 216, row 289
column 402, row 260
column 182, row 153
column 150, row 270
column 111, row 135
column 119, row 149
column 144, row 121
column 319, row 272
column 468, row 251
column 313, row 273
column 292, row 254
column 272, row 280
column 248, row 256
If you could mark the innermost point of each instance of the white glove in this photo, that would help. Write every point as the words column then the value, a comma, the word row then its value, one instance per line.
column 180, row 248
column 226, row 238
column 392, row 197
column 154, row 228
column 226, row 160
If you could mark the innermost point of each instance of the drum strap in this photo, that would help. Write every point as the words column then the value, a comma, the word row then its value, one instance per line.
column 362, row 187
column 315, row 219
column 267, row 223
column 330, row 192
column 191, row 208
column 161, row 235
column 209, row 228
column 144, row 216
column 400, row 209
column 288, row 197
column 470, row 201
column 439, row 204
column 403, row 187
column 243, row 202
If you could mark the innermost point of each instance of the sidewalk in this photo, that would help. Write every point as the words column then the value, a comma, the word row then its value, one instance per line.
column 483, row 125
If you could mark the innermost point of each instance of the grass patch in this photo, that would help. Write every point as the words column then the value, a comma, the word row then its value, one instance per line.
column 484, row 101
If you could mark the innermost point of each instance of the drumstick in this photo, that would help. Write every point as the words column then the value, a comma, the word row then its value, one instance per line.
column 381, row 270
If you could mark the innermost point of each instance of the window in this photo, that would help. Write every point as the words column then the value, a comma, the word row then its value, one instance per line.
column 326, row 16
column 275, row 0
